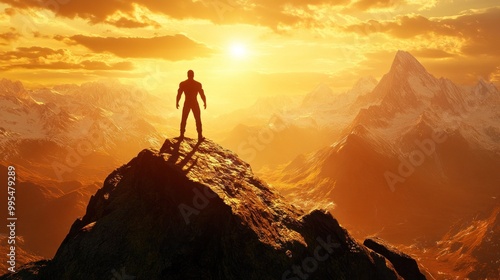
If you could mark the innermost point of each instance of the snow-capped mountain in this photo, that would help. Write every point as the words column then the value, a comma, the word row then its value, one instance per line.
column 409, row 95
column 423, row 153
column 50, row 124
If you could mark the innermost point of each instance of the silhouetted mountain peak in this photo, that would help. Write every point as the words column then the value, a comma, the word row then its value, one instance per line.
column 194, row 210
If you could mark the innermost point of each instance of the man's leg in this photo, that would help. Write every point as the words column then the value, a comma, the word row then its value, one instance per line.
column 185, row 113
column 197, row 117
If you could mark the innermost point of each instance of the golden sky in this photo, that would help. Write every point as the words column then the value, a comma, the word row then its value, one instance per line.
column 243, row 49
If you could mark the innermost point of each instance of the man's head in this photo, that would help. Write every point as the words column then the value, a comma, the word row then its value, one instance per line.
column 191, row 74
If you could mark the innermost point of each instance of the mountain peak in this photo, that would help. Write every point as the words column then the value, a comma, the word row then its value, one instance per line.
column 13, row 88
column 404, row 62
column 484, row 87
column 194, row 210
column 320, row 95
column 404, row 56
column 363, row 86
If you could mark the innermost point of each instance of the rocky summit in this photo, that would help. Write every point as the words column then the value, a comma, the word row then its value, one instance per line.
column 194, row 210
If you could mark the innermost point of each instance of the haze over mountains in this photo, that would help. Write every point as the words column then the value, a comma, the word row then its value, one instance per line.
column 411, row 158
column 71, row 125
column 298, row 126
column 424, row 154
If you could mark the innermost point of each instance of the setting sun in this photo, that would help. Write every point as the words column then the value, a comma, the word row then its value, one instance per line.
column 238, row 50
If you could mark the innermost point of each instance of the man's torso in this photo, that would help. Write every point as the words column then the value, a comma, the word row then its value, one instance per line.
column 190, row 89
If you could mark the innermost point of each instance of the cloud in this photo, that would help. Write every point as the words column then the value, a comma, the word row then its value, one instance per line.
column 480, row 30
column 137, row 19
column 465, row 70
column 403, row 27
column 30, row 53
column 375, row 4
column 477, row 29
column 10, row 36
column 178, row 47
column 47, row 58
column 431, row 53
column 84, row 65
column 9, row 11
column 124, row 22
column 258, row 12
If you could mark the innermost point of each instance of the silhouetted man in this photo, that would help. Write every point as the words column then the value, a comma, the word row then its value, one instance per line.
column 191, row 88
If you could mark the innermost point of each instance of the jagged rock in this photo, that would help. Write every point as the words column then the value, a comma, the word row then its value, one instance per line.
column 193, row 210
column 405, row 265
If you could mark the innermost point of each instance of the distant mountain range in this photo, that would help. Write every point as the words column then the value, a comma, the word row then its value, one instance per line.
column 421, row 153
column 298, row 126
column 68, row 125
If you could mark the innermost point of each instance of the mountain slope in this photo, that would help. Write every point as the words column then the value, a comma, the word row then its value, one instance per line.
column 473, row 246
column 290, row 130
column 45, row 211
column 196, row 211
column 423, row 154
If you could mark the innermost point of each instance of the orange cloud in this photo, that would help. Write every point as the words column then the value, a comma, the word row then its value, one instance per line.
column 124, row 22
column 431, row 53
column 46, row 58
column 465, row 70
column 479, row 30
column 11, row 35
column 84, row 65
column 178, row 47
column 30, row 53
column 258, row 12
column 9, row 11
column 404, row 27
column 370, row 4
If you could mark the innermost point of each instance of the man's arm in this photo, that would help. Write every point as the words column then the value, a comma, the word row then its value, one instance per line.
column 179, row 93
column 202, row 94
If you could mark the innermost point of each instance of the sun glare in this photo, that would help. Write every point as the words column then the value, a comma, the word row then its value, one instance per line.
column 238, row 50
